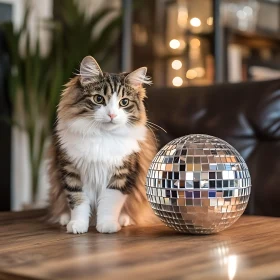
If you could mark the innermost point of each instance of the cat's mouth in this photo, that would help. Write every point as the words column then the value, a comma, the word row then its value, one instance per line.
column 111, row 123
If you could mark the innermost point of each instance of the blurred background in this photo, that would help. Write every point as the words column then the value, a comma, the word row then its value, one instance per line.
column 182, row 42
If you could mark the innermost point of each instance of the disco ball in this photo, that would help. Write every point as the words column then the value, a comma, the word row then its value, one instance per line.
column 198, row 184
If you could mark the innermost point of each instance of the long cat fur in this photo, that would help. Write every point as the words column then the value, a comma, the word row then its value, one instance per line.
column 74, row 173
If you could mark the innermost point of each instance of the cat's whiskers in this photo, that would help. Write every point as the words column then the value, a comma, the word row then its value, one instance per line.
column 156, row 126
column 89, row 127
column 85, row 131
column 74, row 122
column 71, row 125
column 130, row 124
column 150, row 128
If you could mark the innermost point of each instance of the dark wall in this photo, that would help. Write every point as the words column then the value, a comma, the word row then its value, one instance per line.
column 5, row 130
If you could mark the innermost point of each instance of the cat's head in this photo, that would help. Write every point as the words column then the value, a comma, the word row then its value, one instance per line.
column 102, row 101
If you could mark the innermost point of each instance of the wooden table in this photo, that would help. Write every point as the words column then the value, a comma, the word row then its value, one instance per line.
column 32, row 249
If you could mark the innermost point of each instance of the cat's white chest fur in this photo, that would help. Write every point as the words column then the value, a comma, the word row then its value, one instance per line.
column 96, row 155
column 100, row 148
column 108, row 147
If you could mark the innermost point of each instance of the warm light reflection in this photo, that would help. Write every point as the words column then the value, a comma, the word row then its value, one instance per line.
column 195, row 22
column 176, row 64
column 183, row 17
column 174, row 44
column 210, row 21
column 200, row 71
column 195, row 43
column 182, row 44
column 191, row 74
column 241, row 14
column 177, row 81
column 232, row 266
column 230, row 262
column 248, row 10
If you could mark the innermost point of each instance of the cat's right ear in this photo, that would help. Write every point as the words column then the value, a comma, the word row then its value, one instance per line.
column 90, row 71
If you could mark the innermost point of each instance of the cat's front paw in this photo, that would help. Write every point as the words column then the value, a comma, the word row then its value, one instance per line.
column 77, row 226
column 108, row 226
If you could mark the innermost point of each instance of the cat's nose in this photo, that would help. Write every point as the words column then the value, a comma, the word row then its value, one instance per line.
column 112, row 116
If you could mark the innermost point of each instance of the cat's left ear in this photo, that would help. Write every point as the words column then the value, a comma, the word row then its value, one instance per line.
column 138, row 77
column 90, row 71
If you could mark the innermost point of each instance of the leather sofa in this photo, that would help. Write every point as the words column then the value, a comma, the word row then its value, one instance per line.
column 247, row 115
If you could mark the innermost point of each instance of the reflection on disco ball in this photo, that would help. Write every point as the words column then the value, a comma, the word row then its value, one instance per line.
column 198, row 184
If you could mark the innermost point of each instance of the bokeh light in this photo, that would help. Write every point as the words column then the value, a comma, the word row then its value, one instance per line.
column 176, row 64
column 195, row 22
column 195, row 43
column 200, row 71
column 174, row 44
column 191, row 74
column 210, row 21
column 177, row 81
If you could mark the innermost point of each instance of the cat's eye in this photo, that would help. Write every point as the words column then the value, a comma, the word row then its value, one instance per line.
column 98, row 99
column 124, row 102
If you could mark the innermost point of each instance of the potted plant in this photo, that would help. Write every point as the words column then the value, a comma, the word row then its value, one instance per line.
column 36, row 81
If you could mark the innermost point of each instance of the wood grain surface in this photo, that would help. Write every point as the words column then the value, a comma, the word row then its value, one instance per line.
column 32, row 249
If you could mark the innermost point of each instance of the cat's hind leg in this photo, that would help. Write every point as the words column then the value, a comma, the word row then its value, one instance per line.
column 64, row 219
column 125, row 220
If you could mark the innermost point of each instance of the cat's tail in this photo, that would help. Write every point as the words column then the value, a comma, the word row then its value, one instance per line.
column 139, row 210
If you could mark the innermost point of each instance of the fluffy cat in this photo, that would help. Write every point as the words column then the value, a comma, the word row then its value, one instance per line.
column 101, row 151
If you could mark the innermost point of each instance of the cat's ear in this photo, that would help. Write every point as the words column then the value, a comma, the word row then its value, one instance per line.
column 90, row 71
column 138, row 77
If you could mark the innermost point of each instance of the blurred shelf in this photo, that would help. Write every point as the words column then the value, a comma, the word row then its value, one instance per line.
column 270, row 1
column 258, row 34
column 206, row 35
column 257, row 39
